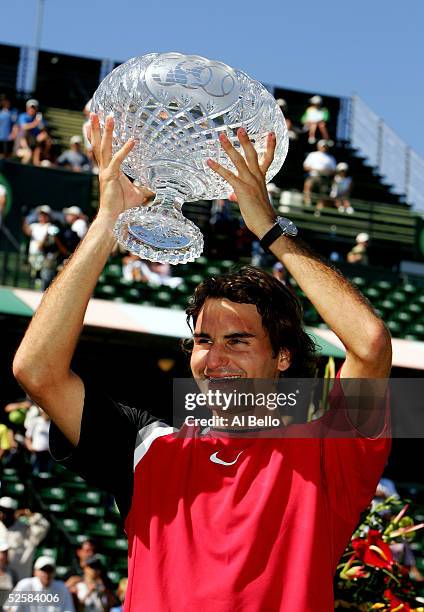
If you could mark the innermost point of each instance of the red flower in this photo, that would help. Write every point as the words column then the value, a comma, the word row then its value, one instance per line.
column 373, row 551
column 396, row 605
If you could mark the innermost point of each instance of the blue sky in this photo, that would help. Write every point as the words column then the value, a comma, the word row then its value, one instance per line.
column 372, row 48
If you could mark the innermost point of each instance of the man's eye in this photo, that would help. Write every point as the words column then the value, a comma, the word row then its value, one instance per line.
column 202, row 340
column 234, row 341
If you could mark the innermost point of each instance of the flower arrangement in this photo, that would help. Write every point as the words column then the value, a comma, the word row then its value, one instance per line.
column 369, row 576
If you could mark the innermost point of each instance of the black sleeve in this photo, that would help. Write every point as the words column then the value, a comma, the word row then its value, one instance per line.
column 105, row 452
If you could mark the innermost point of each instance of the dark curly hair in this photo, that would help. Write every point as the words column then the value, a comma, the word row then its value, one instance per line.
column 278, row 306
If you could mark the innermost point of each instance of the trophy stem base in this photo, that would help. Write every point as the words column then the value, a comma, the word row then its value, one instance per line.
column 160, row 232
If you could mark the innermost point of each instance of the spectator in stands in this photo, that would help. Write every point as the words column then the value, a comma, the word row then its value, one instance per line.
column 359, row 255
column 76, row 220
column 7, row 443
column 315, row 117
column 23, row 411
column 7, row 577
column 132, row 269
column 37, row 442
column 43, row 582
column 8, row 126
column 279, row 272
column 320, row 166
column 341, row 189
column 155, row 273
column 87, row 145
column 86, row 550
column 121, row 592
column 43, row 150
column 73, row 158
column 94, row 591
column 46, row 247
column 22, row 537
column 30, row 125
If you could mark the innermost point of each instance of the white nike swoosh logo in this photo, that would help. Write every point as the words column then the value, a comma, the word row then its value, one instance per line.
column 215, row 459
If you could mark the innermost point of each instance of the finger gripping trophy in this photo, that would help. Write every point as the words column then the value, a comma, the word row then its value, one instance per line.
column 175, row 107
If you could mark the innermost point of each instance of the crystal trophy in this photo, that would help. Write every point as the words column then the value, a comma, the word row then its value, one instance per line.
column 175, row 107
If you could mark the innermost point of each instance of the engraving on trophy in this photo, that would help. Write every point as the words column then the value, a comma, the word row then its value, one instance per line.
column 157, row 239
column 202, row 78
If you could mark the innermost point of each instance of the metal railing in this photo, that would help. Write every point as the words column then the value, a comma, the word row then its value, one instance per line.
column 400, row 167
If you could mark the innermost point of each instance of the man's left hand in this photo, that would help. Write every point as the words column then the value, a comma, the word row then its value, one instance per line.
column 249, row 184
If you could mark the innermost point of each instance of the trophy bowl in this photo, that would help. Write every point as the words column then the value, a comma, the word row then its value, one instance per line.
column 175, row 107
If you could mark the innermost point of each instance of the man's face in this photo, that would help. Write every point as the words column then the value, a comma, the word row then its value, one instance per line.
column 230, row 341
column 3, row 559
column 45, row 576
column 43, row 218
column 31, row 111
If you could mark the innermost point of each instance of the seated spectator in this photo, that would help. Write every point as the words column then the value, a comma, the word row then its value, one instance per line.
column 43, row 582
column 7, row 442
column 8, row 126
column 320, row 166
column 46, row 247
column 7, row 577
column 315, row 117
column 358, row 255
column 94, row 590
column 22, row 537
column 43, row 151
column 86, row 550
column 76, row 220
column 74, row 159
column 37, row 442
column 132, row 269
column 30, row 125
column 341, row 189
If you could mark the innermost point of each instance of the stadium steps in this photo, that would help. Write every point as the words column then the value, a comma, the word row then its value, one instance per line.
column 63, row 124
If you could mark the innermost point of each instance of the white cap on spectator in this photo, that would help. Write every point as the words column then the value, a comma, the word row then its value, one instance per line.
column 45, row 208
column 72, row 210
column 316, row 100
column 75, row 140
column 282, row 103
column 342, row 166
column 87, row 107
column 3, row 546
column 33, row 102
column 44, row 561
column 8, row 503
column 323, row 143
column 362, row 237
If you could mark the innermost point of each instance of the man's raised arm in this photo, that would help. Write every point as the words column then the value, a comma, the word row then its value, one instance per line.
column 342, row 307
column 42, row 362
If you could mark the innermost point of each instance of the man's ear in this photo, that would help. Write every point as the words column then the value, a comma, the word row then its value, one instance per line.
column 284, row 360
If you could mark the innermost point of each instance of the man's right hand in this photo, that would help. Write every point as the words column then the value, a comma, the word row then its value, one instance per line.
column 117, row 192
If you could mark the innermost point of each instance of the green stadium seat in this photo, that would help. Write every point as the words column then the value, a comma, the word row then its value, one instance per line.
column 13, row 489
column 402, row 317
column 72, row 482
column 71, row 525
column 394, row 327
column 131, row 294
column 383, row 285
column 409, row 288
column 398, row 296
column 10, row 475
column 105, row 292
column 115, row 577
column 415, row 309
column 359, row 281
column 193, row 279
column 163, row 298
column 387, row 305
column 113, row 271
column 48, row 552
column 212, row 271
column 371, row 293
column 226, row 265
column 53, row 494
column 57, row 508
column 417, row 329
column 103, row 530
column 90, row 511
column 409, row 336
column 117, row 544
column 87, row 498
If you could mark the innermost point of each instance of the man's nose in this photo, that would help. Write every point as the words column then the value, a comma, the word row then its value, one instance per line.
column 216, row 357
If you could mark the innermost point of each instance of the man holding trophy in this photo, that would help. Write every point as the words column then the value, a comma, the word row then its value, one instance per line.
column 214, row 522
